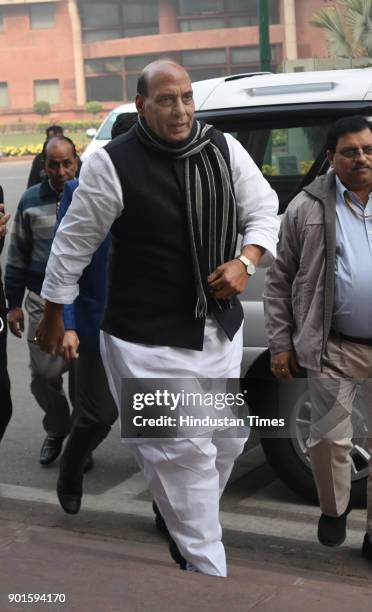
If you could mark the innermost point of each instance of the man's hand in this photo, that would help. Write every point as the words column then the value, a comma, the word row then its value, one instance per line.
column 4, row 218
column 51, row 330
column 284, row 365
column 227, row 280
column 70, row 345
column 16, row 321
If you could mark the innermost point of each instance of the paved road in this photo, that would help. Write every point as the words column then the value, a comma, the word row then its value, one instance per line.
column 262, row 518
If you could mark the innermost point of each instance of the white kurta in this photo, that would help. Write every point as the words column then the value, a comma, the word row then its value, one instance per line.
column 185, row 476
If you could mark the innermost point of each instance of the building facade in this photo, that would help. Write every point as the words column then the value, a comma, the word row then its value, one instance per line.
column 68, row 52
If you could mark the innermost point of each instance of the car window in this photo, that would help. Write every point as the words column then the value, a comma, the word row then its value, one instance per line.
column 287, row 144
column 284, row 154
column 104, row 133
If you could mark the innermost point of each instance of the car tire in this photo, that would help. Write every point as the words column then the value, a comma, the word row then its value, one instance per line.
column 286, row 452
column 283, row 459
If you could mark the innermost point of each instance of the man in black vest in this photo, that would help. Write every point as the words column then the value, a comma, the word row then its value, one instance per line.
column 175, row 193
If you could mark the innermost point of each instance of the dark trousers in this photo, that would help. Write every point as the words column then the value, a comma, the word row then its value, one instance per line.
column 96, row 412
column 5, row 400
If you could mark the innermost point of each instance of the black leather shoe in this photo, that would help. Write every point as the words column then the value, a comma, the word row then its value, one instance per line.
column 367, row 547
column 50, row 449
column 332, row 529
column 179, row 559
column 69, row 496
column 176, row 555
column 160, row 522
column 89, row 463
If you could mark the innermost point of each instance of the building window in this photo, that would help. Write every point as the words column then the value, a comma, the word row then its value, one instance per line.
column 118, row 19
column 134, row 65
column 140, row 18
column 245, row 55
column 212, row 14
column 100, row 20
column 198, row 7
column 203, row 56
column 42, row 16
column 108, row 88
column 47, row 90
column 103, row 65
column 4, row 99
column 192, row 25
column 131, row 83
column 100, row 14
column 247, row 59
column 204, row 63
column 97, row 35
column 104, row 79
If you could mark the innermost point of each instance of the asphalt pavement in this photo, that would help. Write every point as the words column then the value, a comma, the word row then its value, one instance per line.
column 109, row 557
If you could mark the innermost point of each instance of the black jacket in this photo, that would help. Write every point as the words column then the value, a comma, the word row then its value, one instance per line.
column 2, row 296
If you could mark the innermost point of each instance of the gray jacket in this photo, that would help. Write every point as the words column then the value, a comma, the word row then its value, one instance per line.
column 299, row 291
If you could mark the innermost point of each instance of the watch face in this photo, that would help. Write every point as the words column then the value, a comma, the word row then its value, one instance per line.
column 251, row 268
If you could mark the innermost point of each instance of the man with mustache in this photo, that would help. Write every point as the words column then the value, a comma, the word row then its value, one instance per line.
column 30, row 243
column 318, row 300
column 174, row 192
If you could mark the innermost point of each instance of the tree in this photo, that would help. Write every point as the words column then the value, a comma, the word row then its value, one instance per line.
column 93, row 107
column 42, row 107
column 348, row 27
column 359, row 19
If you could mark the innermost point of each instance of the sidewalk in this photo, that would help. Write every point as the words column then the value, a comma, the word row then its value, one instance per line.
column 124, row 574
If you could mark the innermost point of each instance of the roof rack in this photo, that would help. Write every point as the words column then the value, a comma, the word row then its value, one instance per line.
column 243, row 75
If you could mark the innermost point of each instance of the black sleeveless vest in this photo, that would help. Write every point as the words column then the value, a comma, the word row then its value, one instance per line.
column 151, row 287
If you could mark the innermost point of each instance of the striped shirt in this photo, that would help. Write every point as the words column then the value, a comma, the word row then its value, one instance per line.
column 30, row 242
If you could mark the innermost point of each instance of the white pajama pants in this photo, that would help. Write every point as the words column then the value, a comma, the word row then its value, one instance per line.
column 186, row 476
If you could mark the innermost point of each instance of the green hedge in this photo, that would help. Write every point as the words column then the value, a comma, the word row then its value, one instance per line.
column 73, row 125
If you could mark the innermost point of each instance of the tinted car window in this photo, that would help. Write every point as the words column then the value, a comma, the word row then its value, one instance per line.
column 105, row 131
column 284, row 154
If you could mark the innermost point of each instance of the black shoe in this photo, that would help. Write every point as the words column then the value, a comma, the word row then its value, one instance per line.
column 332, row 529
column 160, row 522
column 179, row 559
column 176, row 555
column 367, row 547
column 89, row 463
column 50, row 449
column 69, row 496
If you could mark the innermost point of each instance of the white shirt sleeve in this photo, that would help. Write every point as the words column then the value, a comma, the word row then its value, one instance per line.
column 96, row 203
column 257, row 202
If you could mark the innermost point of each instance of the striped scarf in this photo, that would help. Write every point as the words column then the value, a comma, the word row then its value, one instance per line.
column 210, row 203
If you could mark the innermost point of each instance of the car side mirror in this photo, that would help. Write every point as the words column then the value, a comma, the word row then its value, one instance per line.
column 91, row 132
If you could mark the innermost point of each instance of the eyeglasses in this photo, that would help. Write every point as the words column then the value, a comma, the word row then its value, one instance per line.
column 353, row 153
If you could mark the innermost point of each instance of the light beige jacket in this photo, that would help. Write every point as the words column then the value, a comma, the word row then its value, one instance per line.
column 299, row 290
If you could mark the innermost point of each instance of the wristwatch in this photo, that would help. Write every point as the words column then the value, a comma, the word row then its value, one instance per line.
column 249, row 266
